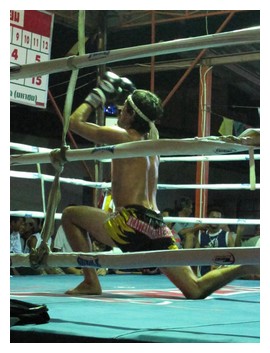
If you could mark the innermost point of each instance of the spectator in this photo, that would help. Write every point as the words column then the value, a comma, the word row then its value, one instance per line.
column 242, row 239
column 186, row 231
column 61, row 244
column 30, row 227
column 213, row 237
column 32, row 236
column 168, row 212
column 16, row 241
column 16, row 229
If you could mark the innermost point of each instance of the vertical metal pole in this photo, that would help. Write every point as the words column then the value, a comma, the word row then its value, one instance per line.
column 153, row 39
column 204, row 128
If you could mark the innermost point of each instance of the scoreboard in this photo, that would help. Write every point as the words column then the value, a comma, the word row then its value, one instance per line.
column 30, row 42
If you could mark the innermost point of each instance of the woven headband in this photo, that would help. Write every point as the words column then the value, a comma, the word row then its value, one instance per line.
column 153, row 133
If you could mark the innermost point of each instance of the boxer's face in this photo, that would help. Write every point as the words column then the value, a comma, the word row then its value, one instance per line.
column 125, row 118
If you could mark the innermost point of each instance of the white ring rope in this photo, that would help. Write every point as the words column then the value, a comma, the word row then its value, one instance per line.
column 42, row 185
column 204, row 145
column 159, row 258
column 28, row 148
column 34, row 214
column 206, row 186
column 244, row 36
column 103, row 185
column 73, row 181
column 211, row 220
column 219, row 158
column 226, row 158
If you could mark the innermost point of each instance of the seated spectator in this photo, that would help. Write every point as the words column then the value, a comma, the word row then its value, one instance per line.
column 16, row 229
column 213, row 237
column 168, row 212
column 186, row 231
column 33, row 239
column 61, row 244
column 16, row 241
column 248, row 240
column 243, row 239
column 30, row 227
column 32, row 234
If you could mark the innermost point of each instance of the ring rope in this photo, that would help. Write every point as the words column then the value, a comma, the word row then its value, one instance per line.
column 243, row 36
column 74, row 75
column 211, row 220
column 252, row 174
column 36, row 214
column 159, row 258
column 38, row 255
column 42, row 185
column 58, row 159
column 226, row 158
column 28, row 148
column 204, row 145
column 241, row 186
column 142, row 148
column 218, row 145
column 103, row 185
column 218, row 158
column 33, row 214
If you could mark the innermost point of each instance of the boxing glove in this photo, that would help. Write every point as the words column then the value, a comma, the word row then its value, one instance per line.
column 127, row 87
column 107, row 91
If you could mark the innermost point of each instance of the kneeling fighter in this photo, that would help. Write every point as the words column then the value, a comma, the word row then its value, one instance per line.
column 137, row 224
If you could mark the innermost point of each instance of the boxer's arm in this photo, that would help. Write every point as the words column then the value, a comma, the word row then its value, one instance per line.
column 95, row 133
column 110, row 89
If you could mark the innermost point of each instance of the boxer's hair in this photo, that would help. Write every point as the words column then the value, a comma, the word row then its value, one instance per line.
column 149, row 104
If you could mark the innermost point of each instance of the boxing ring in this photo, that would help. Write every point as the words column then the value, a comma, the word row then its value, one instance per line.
column 139, row 309
column 96, row 318
column 135, row 308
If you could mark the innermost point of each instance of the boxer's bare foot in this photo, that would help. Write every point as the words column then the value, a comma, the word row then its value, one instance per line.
column 85, row 289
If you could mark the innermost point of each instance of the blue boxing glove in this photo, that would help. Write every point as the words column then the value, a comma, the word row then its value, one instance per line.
column 107, row 91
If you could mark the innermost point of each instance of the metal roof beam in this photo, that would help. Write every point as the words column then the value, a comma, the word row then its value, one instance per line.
column 183, row 64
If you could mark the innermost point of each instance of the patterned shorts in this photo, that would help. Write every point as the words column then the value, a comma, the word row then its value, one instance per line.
column 136, row 228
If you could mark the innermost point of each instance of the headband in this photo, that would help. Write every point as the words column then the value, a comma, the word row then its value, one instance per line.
column 153, row 133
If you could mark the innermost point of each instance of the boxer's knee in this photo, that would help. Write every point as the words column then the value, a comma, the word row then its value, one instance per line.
column 68, row 214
